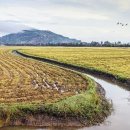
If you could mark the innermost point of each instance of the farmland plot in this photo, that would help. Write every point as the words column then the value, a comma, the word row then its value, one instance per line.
column 23, row 80
column 115, row 61
column 33, row 89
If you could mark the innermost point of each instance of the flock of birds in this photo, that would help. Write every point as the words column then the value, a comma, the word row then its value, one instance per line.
column 122, row 24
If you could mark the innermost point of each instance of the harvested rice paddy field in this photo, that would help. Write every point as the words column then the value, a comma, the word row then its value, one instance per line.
column 29, row 87
column 115, row 61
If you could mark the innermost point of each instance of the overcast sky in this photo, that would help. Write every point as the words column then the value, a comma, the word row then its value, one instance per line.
column 88, row 20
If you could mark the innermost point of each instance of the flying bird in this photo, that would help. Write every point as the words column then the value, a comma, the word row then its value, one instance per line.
column 122, row 24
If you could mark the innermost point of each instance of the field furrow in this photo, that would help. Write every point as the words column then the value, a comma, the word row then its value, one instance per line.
column 25, row 80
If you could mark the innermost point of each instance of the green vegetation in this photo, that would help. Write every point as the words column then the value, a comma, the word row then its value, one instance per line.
column 87, row 104
column 32, row 87
column 115, row 61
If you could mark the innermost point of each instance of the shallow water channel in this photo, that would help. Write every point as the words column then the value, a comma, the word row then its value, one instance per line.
column 118, row 120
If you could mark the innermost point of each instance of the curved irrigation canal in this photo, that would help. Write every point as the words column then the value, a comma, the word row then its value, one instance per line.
column 120, row 117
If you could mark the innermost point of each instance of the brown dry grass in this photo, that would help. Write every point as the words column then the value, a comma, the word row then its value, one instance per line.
column 25, row 80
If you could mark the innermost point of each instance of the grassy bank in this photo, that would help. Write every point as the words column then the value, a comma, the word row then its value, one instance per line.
column 89, row 107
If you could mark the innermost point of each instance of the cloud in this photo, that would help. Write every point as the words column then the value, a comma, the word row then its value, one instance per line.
column 83, row 19
column 11, row 27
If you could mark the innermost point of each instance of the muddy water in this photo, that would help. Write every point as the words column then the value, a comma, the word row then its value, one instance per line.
column 119, row 119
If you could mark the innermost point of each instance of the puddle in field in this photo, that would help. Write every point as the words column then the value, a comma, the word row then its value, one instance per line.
column 119, row 119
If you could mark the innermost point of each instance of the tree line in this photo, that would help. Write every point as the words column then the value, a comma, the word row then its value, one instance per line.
column 82, row 44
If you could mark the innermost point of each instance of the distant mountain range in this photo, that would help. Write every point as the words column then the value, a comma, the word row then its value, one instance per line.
column 36, row 37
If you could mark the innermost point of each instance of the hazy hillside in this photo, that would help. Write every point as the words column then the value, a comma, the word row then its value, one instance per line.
column 36, row 37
